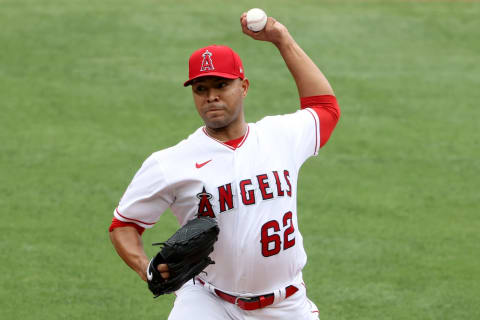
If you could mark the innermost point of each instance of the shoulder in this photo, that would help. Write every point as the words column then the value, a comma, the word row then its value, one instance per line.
column 282, row 121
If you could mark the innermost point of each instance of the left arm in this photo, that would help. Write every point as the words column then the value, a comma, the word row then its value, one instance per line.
column 309, row 79
column 313, row 87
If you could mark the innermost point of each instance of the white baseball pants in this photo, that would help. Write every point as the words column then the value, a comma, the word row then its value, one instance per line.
column 194, row 301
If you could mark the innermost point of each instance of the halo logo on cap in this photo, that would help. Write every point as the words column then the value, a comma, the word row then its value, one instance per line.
column 207, row 64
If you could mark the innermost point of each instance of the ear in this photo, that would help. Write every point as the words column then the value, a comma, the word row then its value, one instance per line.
column 245, row 86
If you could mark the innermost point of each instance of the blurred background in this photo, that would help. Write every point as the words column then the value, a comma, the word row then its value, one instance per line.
column 389, row 210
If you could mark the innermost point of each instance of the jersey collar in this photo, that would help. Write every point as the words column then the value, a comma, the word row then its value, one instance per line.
column 232, row 147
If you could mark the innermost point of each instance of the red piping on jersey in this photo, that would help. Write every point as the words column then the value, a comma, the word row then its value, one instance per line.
column 139, row 221
column 316, row 129
column 225, row 144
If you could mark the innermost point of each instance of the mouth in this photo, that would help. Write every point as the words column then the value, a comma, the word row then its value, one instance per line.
column 214, row 109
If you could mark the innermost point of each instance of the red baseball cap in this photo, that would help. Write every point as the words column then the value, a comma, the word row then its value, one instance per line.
column 214, row 60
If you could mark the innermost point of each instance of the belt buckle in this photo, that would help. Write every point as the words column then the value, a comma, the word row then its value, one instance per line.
column 245, row 305
column 246, row 299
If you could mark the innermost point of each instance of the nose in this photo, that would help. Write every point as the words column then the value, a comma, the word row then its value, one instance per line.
column 212, row 95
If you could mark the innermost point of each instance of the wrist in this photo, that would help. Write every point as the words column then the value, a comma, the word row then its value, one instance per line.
column 142, row 269
column 284, row 41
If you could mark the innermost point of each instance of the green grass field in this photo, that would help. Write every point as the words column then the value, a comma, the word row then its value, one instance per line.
column 389, row 210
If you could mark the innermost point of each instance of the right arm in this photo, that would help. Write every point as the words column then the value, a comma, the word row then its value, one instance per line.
column 140, row 209
column 128, row 243
column 127, row 240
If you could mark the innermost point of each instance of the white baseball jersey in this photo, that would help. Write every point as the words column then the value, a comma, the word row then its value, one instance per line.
column 250, row 190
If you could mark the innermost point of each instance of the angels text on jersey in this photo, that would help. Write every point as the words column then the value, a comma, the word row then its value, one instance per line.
column 249, row 191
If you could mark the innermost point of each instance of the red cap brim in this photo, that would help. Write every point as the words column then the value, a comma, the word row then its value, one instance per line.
column 211, row 74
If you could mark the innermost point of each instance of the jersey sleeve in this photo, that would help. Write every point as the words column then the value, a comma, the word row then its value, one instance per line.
column 303, row 133
column 118, row 224
column 328, row 112
column 147, row 196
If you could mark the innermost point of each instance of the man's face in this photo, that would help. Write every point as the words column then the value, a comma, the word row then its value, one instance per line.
column 219, row 101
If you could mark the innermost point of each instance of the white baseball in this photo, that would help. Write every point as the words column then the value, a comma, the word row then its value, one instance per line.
column 256, row 19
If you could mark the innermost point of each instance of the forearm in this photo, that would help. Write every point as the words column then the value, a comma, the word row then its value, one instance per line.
column 309, row 79
column 129, row 246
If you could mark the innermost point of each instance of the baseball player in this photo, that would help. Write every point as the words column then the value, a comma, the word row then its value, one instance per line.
column 245, row 176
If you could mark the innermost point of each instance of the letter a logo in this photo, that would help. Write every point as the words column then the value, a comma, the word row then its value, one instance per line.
column 205, row 207
column 207, row 64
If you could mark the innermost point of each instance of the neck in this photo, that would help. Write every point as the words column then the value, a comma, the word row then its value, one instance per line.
column 228, row 133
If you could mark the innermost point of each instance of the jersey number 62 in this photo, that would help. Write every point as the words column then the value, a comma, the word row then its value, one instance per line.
column 272, row 241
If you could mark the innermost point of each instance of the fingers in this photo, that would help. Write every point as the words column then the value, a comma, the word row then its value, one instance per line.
column 272, row 32
column 255, row 35
column 243, row 18
column 243, row 24
column 163, row 269
column 270, row 22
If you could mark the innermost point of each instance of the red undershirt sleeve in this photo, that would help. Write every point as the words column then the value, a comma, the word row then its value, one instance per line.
column 117, row 223
column 328, row 111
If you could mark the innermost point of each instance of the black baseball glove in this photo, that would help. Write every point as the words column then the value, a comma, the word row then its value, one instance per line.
column 185, row 253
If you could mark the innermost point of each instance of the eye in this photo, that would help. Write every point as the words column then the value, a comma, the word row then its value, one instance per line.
column 222, row 84
column 199, row 88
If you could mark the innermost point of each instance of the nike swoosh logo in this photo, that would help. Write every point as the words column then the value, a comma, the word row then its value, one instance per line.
column 149, row 274
column 199, row 165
